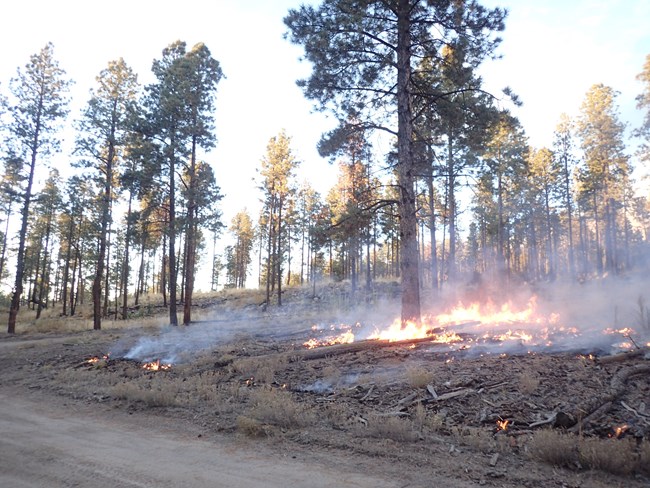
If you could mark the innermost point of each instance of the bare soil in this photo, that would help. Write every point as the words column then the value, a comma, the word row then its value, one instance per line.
column 239, row 406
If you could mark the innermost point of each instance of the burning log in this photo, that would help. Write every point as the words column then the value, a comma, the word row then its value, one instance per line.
column 624, row 356
column 351, row 347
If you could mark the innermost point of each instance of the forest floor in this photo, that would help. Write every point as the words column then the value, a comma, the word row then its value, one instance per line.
column 236, row 401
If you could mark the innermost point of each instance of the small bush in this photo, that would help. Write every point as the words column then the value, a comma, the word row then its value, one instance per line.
column 617, row 456
column 277, row 407
column 528, row 383
column 261, row 370
column 151, row 395
column 554, row 448
column 252, row 427
column 418, row 377
column 395, row 428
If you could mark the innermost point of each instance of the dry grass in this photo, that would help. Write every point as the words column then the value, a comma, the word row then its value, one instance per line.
column 617, row 456
column 273, row 407
column 389, row 427
column 418, row 376
column 474, row 437
column 151, row 395
column 261, row 370
column 252, row 427
column 528, row 383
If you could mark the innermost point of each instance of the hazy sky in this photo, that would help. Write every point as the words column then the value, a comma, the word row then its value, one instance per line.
column 553, row 51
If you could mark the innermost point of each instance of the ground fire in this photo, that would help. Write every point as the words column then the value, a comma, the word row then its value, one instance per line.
column 156, row 366
column 487, row 325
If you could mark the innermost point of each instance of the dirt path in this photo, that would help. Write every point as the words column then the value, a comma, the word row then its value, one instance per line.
column 51, row 446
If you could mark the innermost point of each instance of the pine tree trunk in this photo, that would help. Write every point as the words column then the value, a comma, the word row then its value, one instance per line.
column 432, row 233
column 3, row 253
column 173, row 317
column 567, row 189
column 279, row 252
column 406, row 170
column 451, row 208
column 45, row 275
column 125, row 267
column 20, row 261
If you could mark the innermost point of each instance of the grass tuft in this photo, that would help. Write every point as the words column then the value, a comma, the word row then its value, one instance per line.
column 616, row 456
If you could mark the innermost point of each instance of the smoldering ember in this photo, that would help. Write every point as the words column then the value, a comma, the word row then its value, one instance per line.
column 547, row 388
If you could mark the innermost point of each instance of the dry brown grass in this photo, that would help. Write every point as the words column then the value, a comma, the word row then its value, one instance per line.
column 274, row 407
column 261, row 370
column 617, row 456
column 391, row 427
column 528, row 383
column 152, row 393
column 252, row 427
column 418, row 376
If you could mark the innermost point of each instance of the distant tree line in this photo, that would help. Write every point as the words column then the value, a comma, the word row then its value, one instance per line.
column 534, row 214
column 406, row 69
column 136, row 146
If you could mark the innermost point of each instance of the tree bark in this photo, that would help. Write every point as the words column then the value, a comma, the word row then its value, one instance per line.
column 432, row 234
column 125, row 268
column 451, row 208
column 409, row 266
column 20, row 262
column 173, row 317
column 190, row 240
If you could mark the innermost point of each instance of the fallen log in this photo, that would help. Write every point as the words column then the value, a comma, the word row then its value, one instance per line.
column 594, row 409
column 623, row 356
column 351, row 347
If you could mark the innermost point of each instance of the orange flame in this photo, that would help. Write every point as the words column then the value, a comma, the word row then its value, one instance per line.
column 475, row 317
column 156, row 366
column 95, row 359
column 344, row 338
column 502, row 424
column 618, row 431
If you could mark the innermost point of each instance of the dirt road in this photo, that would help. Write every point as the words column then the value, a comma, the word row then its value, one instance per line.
column 46, row 445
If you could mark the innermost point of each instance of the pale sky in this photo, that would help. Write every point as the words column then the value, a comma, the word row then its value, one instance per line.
column 553, row 51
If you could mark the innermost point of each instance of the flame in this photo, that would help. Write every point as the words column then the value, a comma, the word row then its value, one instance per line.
column 502, row 424
column 96, row 359
column 618, row 431
column 625, row 331
column 493, row 314
column 343, row 338
column 463, row 326
column 487, row 322
column 156, row 366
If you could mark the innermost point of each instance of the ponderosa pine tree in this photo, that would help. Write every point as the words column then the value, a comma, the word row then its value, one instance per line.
column 450, row 132
column 277, row 174
column 47, row 206
column 239, row 259
column 9, row 197
column 165, row 122
column 69, row 223
column 544, row 172
column 364, row 56
column 104, row 126
column 179, row 120
column 352, row 200
column 606, row 170
column 203, row 73
column 504, row 159
column 40, row 103
column 643, row 103
column 563, row 146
